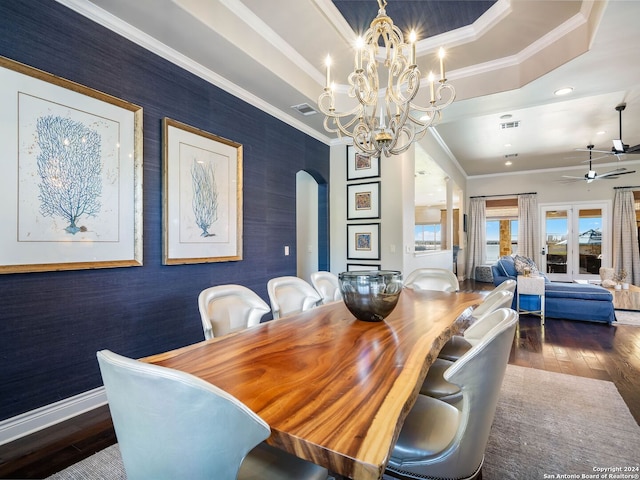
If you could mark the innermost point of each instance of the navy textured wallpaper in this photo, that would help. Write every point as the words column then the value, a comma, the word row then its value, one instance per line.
column 52, row 324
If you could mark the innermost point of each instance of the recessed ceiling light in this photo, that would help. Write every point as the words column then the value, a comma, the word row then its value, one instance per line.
column 563, row 91
column 601, row 132
column 506, row 116
column 507, row 145
column 508, row 162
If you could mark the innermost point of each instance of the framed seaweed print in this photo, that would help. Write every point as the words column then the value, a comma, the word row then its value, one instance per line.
column 363, row 241
column 361, row 166
column 71, row 186
column 202, row 196
column 363, row 201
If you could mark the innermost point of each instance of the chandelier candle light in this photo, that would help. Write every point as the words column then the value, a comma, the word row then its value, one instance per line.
column 366, row 123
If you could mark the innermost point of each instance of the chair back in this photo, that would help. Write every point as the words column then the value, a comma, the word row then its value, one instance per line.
column 227, row 308
column 170, row 424
column 327, row 285
column 509, row 284
column 485, row 324
column 289, row 295
column 432, row 279
column 479, row 374
column 439, row 440
column 493, row 301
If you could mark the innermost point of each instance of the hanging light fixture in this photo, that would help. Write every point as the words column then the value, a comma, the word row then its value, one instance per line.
column 386, row 124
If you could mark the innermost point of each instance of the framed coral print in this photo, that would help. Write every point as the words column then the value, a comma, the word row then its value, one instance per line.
column 363, row 201
column 202, row 196
column 359, row 267
column 71, row 185
column 361, row 166
column 363, row 241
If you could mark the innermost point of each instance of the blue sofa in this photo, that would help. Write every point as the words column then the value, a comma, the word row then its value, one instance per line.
column 573, row 301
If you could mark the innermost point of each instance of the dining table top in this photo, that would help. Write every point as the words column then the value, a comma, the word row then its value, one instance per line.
column 334, row 390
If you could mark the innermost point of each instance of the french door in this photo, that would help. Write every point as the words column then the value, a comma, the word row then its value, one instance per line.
column 575, row 241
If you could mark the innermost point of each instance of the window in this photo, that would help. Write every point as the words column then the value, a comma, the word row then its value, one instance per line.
column 501, row 228
column 427, row 237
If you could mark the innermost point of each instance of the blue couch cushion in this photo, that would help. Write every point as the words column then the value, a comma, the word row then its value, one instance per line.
column 577, row 291
column 507, row 266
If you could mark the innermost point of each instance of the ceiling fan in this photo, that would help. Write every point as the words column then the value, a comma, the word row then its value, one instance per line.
column 619, row 147
column 592, row 175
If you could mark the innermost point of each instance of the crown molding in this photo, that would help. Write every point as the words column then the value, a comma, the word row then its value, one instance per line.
column 116, row 25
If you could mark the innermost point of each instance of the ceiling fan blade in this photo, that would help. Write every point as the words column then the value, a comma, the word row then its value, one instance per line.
column 607, row 152
column 614, row 175
column 567, row 179
column 596, row 158
column 617, row 171
column 634, row 149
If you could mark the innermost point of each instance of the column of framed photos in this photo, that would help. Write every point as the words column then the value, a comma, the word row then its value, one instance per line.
column 363, row 206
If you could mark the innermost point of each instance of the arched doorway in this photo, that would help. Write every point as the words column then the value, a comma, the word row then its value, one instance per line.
column 312, row 224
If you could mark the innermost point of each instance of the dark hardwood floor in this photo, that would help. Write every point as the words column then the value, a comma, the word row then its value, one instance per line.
column 585, row 349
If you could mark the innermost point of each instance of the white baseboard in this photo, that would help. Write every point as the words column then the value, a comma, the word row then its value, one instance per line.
column 29, row 422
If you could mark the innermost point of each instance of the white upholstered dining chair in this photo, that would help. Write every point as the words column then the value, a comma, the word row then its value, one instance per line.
column 487, row 304
column 434, row 383
column 457, row 345
column 289, row 295
column 227, row 308
column 327, row 285
column 439, row 279
column 170, row 424
column 438, row 440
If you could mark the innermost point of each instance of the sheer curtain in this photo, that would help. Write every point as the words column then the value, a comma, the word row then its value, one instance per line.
column 625, row 236
column 528, row 226
column 477, row 236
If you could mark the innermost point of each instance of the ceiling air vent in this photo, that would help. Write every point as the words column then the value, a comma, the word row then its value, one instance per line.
column 510, row 155
column 515, row 124
column 305, row 109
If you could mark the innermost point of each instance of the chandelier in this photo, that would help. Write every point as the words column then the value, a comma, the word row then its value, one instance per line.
column 386, row 124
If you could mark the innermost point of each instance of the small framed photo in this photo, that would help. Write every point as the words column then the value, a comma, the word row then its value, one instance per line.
column 363, row 201
column 363, row 241
column 360, row 166
column 359, row 267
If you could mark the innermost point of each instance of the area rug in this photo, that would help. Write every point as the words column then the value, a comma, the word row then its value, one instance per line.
column 627, row 317
column 550, row 424
column 546, row 425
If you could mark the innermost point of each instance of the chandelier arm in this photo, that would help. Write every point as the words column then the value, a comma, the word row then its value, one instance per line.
column 451, row 95
column 412, row 79
column 344, row 129
column 330, row 112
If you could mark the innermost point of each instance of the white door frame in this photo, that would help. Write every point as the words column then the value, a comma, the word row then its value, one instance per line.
column 573, row 253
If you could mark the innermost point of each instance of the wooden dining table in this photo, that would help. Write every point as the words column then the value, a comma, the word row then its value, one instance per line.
column 334, row 390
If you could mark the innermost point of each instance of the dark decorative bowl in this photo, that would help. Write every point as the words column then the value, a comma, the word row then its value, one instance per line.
column 371, row 295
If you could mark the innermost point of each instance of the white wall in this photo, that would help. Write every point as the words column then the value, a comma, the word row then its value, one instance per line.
column 306, row 225
column 397, row 197
column 397, row 208
column 338, row 208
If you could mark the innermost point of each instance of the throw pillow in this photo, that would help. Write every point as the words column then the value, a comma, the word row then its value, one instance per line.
column 506, row 264
column 521, row 263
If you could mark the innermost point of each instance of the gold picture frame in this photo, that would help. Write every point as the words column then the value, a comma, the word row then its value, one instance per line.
column 71, row 189
column 202, row 196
